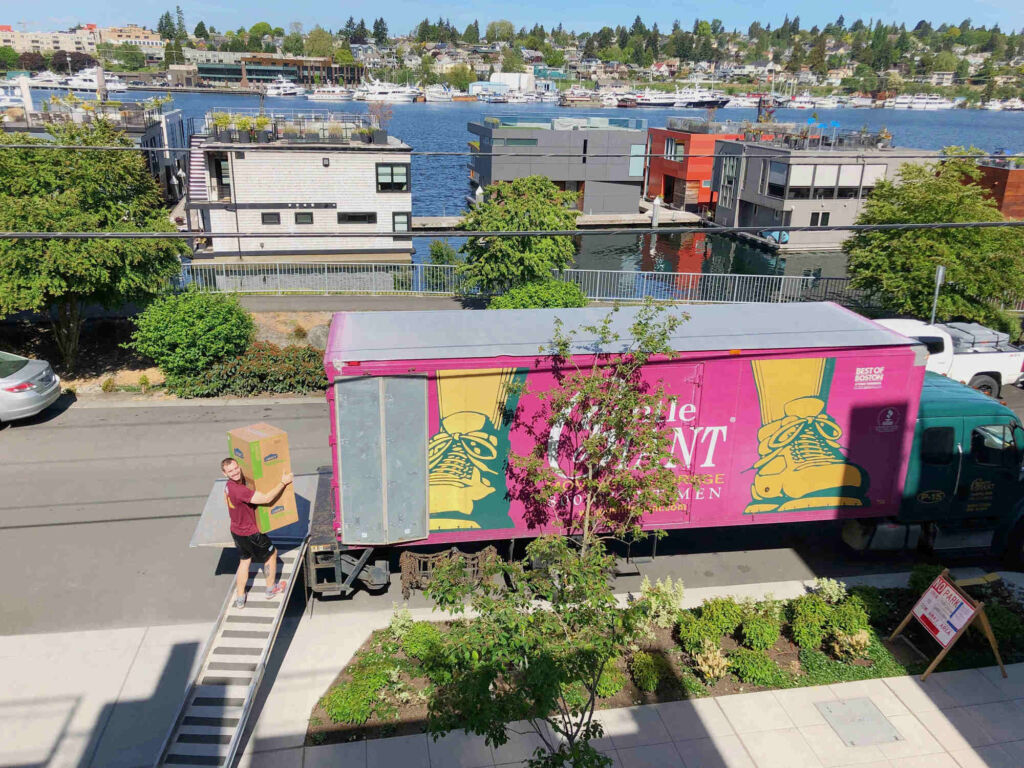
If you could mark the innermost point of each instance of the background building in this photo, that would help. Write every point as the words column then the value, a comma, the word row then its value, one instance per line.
column 680, row 180
column 602, row 158
column 149, row 41
column 82, row 39
column 1005, row 182
column 309, row 174
column 795, row 180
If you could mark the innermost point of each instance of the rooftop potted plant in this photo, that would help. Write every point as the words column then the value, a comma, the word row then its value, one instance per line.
column 291, row 132
column 243, row 128
column 336, row 132
column 379, row 136
column 262, row 125
column 365, row 135
column 221, row 125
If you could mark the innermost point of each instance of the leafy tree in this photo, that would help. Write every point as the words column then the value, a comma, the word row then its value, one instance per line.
column 80, row 191
column 32, row 61
column 460, row 76
column 512, row 60
column 319, row 42
column 529, row 203
column 260, row 29
column 553, row 57
column 380, row 32
column 75, row 61
column 343, row 54
column 816, row 60
column 172, row 54
column 984, row 266
column 349, row 29
column 500, row 31
column 201, row 32
column 8, row 57
column 541, row 637
column 472, row 33
column 361, row 35
column 180, row 33
column 293, row 44
column 165, row 26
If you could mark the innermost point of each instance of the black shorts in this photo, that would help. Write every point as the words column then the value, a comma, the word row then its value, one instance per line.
column 258, row 547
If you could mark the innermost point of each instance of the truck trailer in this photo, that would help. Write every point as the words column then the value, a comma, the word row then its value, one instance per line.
column 783, row 412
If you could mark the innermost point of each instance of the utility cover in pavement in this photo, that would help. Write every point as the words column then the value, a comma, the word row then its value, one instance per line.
column 858, row 722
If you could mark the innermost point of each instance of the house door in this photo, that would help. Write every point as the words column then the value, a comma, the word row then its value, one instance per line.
column 669, row 189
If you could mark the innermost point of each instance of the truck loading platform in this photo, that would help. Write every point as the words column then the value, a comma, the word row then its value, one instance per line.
column 217, row 703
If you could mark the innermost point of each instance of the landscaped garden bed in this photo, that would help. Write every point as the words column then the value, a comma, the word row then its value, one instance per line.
column 832, row 634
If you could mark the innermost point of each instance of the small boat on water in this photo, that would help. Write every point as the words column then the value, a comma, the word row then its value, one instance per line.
column 437, row 93
column 548, row 97
column 282, row 86
column 576, row 96
column 389, row 93
column 88, row 80
column 742, row 102
column 627, row 101
column 330, row 93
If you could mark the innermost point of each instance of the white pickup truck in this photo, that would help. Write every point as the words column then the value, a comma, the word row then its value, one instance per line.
column 970, row 353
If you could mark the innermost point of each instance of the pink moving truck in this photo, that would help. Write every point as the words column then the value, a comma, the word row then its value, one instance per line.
column 788, row 412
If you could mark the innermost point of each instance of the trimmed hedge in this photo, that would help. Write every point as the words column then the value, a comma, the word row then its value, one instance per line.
column 549, row 294
column 264, row 368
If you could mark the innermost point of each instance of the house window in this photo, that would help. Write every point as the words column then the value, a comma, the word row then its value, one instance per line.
column 520, row 142
column 303, row 217
column 820, row 219
column 636, row 159
column 777, row 173
column 392, row 177
column 270, row 218
column 400, row 221
column 357, row 218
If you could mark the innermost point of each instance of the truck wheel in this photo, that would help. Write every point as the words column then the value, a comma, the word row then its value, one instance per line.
column 986, row 384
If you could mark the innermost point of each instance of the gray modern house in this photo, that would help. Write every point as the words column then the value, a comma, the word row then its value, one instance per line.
column 795, row 180
column 601, row 158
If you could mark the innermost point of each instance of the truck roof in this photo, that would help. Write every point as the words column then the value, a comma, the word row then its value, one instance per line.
column 454, row 334
column 942, row 396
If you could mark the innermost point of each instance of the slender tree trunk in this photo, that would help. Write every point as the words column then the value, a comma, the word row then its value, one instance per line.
column 67, row 328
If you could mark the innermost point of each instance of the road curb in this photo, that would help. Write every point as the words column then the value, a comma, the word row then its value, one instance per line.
column 103, row 401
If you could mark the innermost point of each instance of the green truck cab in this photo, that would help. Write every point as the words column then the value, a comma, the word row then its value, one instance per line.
column 964, row 473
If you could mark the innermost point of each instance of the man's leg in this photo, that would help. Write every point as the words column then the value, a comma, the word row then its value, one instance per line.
column 241, row 576
column 270, row 569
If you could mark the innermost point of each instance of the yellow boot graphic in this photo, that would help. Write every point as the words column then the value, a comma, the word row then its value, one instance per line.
column 801, row 464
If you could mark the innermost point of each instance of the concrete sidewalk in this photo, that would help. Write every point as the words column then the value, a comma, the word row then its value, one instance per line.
column 107, row 699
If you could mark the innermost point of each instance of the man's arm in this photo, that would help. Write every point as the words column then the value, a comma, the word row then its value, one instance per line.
column 265, row 497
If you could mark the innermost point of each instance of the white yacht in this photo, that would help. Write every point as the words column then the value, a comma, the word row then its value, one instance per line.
column 391, row 93
column 742, row 102
column 903, row 101
column 931, row 102
column 548, row 97
column 281, row 86
column 86, row 80
column 649, row 98
column 46, row 79
column 434, row 93
column 826, row 102
column 575, row 95
column 699, row 98
column 860, row 102
column 516, row 97
column 803, row 101
column 1016, row 104
column 493, row 97
column 330, row 93
column 993, row 105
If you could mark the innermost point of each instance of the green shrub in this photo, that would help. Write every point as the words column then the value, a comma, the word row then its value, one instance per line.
column 694, row 633
column 883, row 610
column 264, row 368
column 401, row 622
column 422, row 640
column 848, row 618
column 647, row 670
column 551, row 293
column 808, row 620
column 756, row 668
column 722, row 614
column 921, row 577
column 661, row 601
column 760, row 631
column 850, row 646
column 1007, row 626
column 575, row 697
column 354, row 701
column 108, row 385
column 186, row 333
column 611, row 681
column 831, row 591
column 710, row 663
column 441, row 252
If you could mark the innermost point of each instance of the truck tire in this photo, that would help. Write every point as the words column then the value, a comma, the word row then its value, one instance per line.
column 986, row 384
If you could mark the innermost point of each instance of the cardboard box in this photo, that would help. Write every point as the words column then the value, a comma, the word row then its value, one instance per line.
column 262, row 452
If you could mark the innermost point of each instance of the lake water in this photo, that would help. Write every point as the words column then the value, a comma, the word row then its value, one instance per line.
column 440, row 184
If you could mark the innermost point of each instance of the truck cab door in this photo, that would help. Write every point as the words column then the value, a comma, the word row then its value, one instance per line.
column 990, row 477
column 935, row 466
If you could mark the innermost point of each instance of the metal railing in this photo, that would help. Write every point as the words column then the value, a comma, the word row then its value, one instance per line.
column 444, row 280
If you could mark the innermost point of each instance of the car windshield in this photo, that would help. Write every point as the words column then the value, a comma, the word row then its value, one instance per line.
column 10, row 364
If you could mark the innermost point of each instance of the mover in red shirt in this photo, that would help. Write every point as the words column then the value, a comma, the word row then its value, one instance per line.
column 252, row 545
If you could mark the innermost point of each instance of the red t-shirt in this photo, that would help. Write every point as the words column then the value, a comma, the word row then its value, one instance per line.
column 241, row 509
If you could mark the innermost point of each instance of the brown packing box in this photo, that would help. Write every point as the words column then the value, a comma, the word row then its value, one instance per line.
column 262, row 452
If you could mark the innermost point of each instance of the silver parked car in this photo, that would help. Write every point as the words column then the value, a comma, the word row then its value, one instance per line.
column 26, row 386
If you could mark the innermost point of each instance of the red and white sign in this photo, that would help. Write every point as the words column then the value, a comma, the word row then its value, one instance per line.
column 942, row 611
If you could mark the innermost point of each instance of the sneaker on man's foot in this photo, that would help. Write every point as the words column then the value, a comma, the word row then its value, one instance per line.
column 276, row 590
column 240, row 602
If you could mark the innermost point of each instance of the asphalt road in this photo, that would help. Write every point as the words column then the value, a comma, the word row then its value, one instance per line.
column 98, row 506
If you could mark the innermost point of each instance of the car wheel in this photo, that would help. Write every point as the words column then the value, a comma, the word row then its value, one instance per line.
column 986, row 384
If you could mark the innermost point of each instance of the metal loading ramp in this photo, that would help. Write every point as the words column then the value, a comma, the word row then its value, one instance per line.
column 216, row 707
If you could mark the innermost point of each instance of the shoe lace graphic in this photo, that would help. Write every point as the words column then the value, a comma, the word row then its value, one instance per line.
column 810, row 441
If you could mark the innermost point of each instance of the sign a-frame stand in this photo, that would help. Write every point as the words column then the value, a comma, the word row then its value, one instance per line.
column 945, row 611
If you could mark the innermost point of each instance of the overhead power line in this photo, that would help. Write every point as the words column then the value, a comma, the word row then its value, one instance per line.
column 710, row 229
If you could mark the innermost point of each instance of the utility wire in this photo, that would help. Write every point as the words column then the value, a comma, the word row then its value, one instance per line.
column 844, row 153
column 710, row 229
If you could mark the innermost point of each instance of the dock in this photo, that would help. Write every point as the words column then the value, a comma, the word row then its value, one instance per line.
column 667, row 217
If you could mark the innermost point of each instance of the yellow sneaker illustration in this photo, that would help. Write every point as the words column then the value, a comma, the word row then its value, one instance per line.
column 801, row 464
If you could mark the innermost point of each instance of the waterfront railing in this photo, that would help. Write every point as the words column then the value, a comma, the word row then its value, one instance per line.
column 281, row 278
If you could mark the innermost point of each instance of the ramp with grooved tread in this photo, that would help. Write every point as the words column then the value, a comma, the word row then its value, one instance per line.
column 213, row 715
